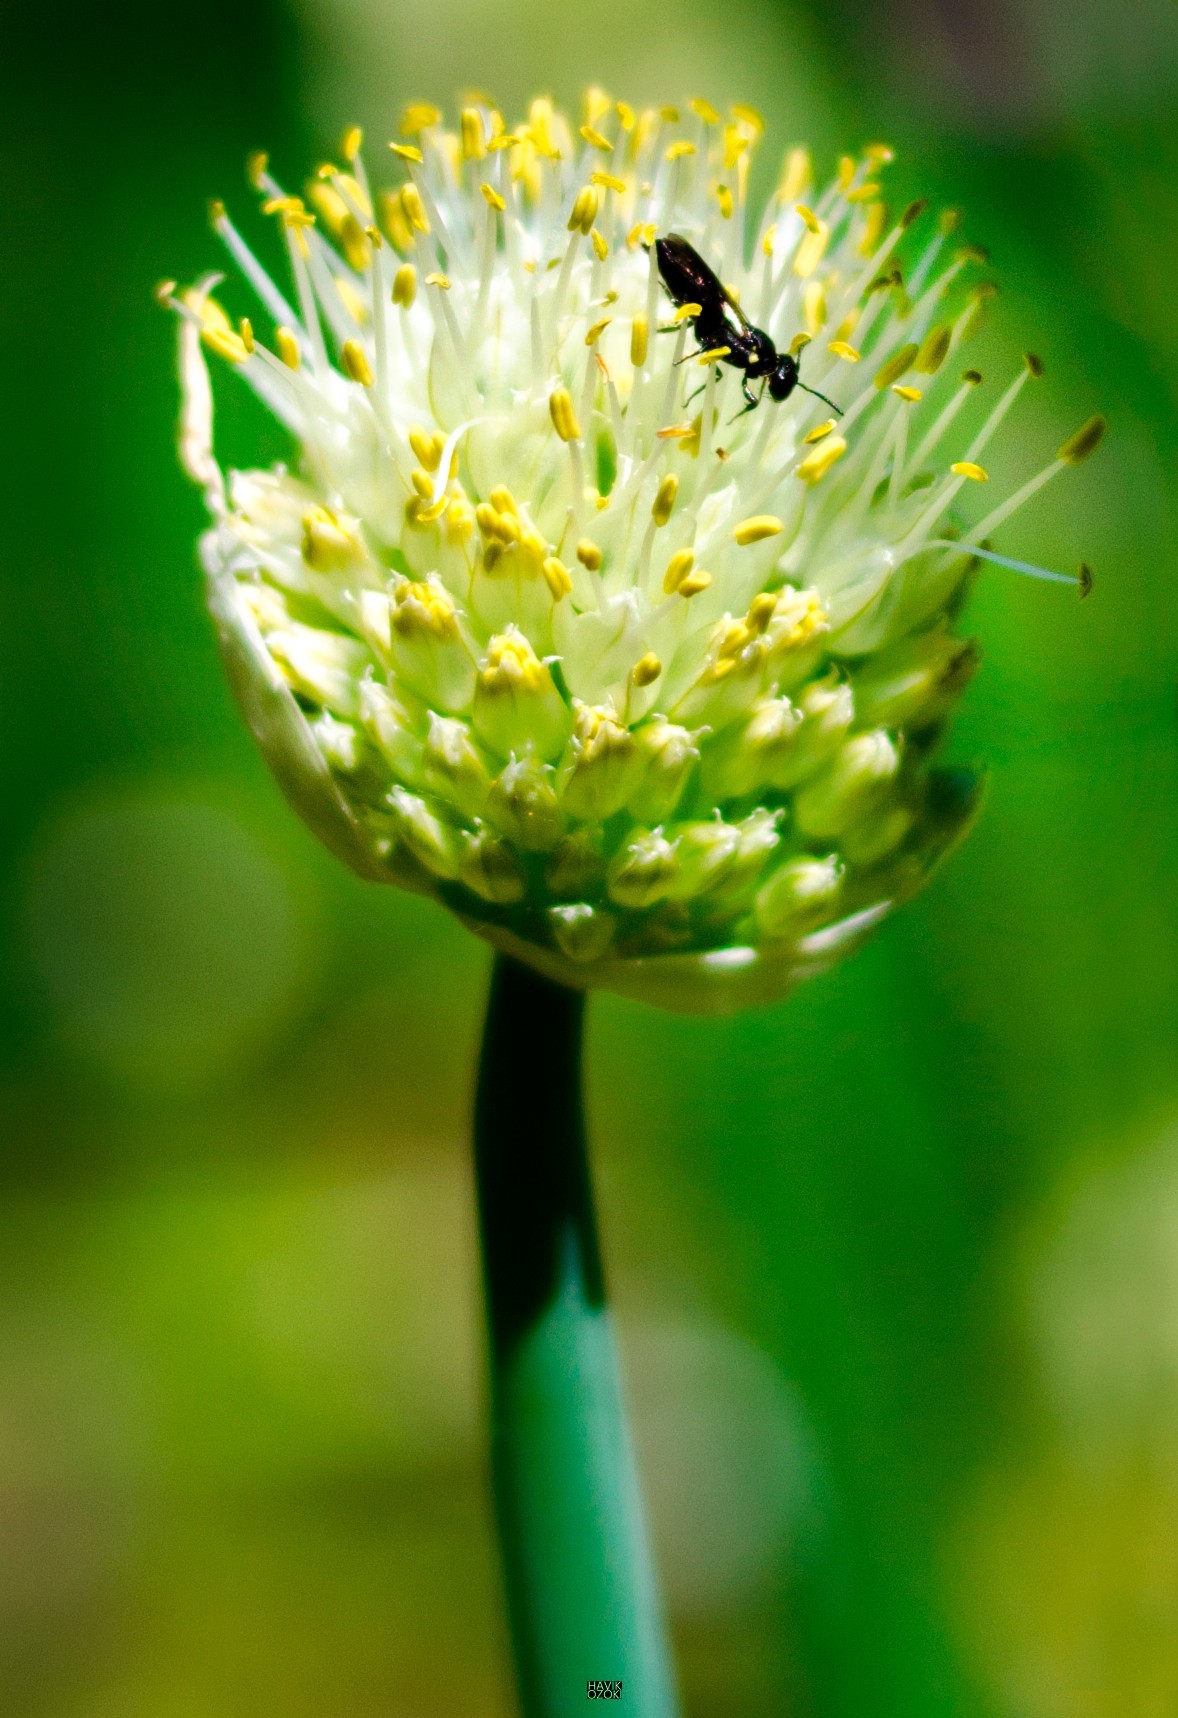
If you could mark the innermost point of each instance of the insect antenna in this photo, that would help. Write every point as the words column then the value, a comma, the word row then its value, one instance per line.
column 818, row 396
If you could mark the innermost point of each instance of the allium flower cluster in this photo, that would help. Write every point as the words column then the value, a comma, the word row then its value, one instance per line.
column 646, row 689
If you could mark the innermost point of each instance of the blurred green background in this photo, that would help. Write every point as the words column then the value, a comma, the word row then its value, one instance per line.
column 896, row 1262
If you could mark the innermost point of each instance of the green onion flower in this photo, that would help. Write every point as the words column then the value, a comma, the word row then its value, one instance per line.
column 646, row 691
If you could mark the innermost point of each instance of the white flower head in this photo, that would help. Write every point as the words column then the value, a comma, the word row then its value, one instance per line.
column 542, row 621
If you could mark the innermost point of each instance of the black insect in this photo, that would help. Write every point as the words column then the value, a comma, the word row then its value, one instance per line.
column 721, row 323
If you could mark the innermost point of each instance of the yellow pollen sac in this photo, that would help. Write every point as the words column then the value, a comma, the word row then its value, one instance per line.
column 643, row 233
column 424, row 608
column 841, row 349
column 600, row 248
column 504, row 140
column 795, row 176
column 584, row 211
column 896, row 366
column 589, row 555
column 863, row 193
column 873, row 229
column 407, row 151
column 705, row 359
column 593, row 334
column 724, row 198
column 288, row 347
column 607, row 181
column 427, row 445
column 811, row 252
column 626, row 114
column 597, row 104
column 355, row 362
column 846, row 171
column 678, row 567
column 966, row 468
column 419, row 116
column 327, row 546
column 596, row 139
column 756, row 529
column 761, row 612
column 459, row 519
column 441, row 281
column 557, row 577
column 676, row 432
column 934, row 349
column 646, row 670
column 687, row 312
column 471, row 124
column 1086, row 440
column 414, row 208
column 350, row 142
column 694, row 583
column 486, row 518
column 665, row 499
column 675, row 151
column 405, row 285
column 912, row 395
column 799, row 343
column 503, row 500
column 879, row 154
column 820, row 431
column 749, row 116
column 564, row 418
column 512, row 665
column 226, row 344
column 492, row 197
column 816, row 465
column 704, row 110
column 1035, row 364
column 255, row 168
column 246, row 330
column 813, row 224
column 421, row 482
column 770, row 238
column 735, row 145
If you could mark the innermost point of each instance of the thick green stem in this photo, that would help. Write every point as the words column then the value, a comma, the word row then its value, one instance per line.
column 582, row 1598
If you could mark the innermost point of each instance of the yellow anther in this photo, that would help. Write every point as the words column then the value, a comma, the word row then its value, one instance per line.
column 557, row 577
column 424, row 608
column 913, row 212
column 687, row 312
column 848, row 353
column 756, row 529
column 646, row 670
column 419, row 116
column 459, row 519
column 676, row 432
column 873, row 229
column 216, row 211
column 593, row 334
column 912, row 395
column 441, row 281
column 949, row 221
column 407, row 151
column 664, row 501
column 471, row 123
column 226, row 344
column 814, row 306
column 761, row 612
column 1035, row 364
column 422, row 482
column 1086, row 440
column 492, row 197
column 428, row 515
column 596, row 139
column 427, row 445
column 863, row 193
column 507, row 529
column 973, row 253
column 597, row 104
column 669, row 115
column 405, row 285
column 816, row 465
column 704, row 110
column 328, row 546
column 503, row 500
column 486, row 518
column 504, row 140
column 746, row 115
column 678, row 567
column 813, row 224
column 795, row 176
column 682, row 146
column 374, row 236
column 564, row 418
column 846, row 171
column 255, row 168
column 626, row 115
column 770, row 239
column 607, row 181
column 165, row 292
column 811, row 251
column 584, row 211
column 413, row 208
column 512, row 665
column 799, row 343
column 288, row 346
column 973, row 378
column 967, row 468
column 934, row 349
column 589, row 555
column 724, row 198
column 694, row 583
column 393, row 219
column 355, row 362
column 713, row 356
column 821, row 431
column 600, row 248
column 245, row 329
column 896, row 366
column 643, row 233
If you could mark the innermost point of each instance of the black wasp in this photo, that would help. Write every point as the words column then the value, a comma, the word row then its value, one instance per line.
column 720, row 322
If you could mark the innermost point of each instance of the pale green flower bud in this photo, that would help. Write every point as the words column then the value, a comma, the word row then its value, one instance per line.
column 645, row 691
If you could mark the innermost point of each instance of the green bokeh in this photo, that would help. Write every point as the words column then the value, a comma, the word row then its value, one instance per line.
column 894, row 1261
